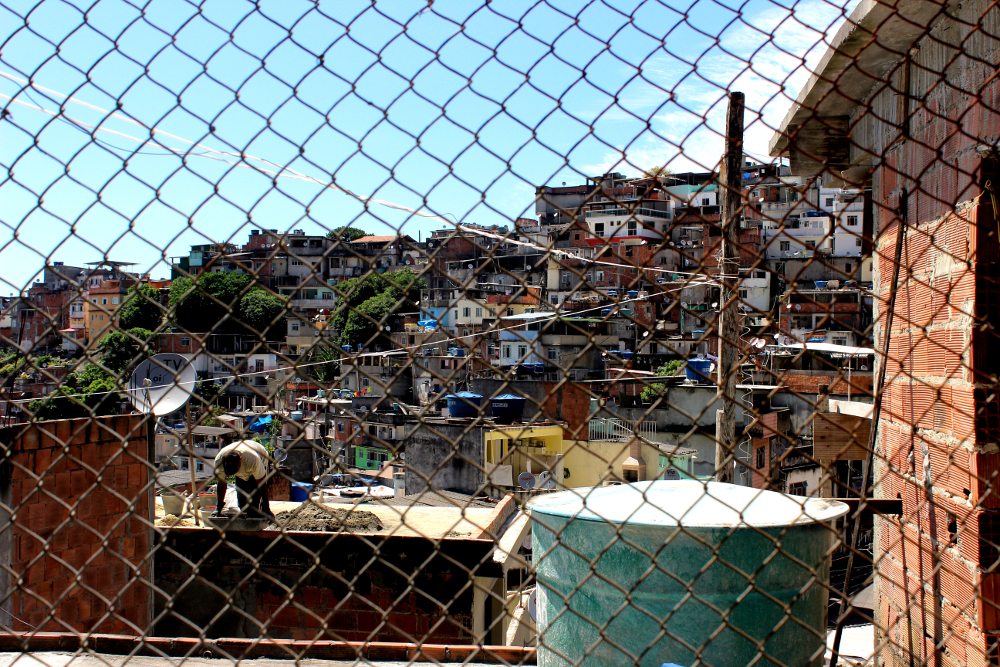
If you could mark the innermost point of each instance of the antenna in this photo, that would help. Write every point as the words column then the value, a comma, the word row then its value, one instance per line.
column 162, row 384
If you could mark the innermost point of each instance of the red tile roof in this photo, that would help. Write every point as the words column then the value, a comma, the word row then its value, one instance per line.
column 374, row 239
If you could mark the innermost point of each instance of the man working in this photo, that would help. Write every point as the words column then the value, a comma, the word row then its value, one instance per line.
column 247, row 460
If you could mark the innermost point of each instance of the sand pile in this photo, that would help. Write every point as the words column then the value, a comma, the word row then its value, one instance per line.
column 322, row 518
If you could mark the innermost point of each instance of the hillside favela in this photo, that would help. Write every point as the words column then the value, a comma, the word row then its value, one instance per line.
column 565, row 334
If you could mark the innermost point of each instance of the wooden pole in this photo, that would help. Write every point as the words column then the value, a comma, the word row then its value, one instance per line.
column 731, row 188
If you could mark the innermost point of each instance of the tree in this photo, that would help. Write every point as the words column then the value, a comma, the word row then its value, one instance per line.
column 365, row 322
column 653, row 391
column 660, row 172
column 323, row 372
column 263, row 312
column 122, row 351
column 88, row 392
column 141, row 308
column 209, row 302
column 346, row 234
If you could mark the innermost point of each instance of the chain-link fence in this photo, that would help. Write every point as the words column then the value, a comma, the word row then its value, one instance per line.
column 503, row 333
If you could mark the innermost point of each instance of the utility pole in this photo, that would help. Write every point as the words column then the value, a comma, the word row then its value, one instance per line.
column 731, row 190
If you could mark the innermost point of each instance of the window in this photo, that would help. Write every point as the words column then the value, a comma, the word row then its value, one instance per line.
column 295, row 326
column 760, row 458
column 840, row 341
column 340, row 427
column 114, row 300
column 466, row 312
column 327, row 296
column 798, row 489
column 553, row 354
column 829, row 202
column 104, row 301
column 364, row 382
column 705, row 201
column 554, row 300
column 506, row 351
column 296, row 262
column 184, row 464
column 666, row 227
column 510, row 312
column 94, row 300
column 785, row 245
column 522, row 350
column 199, row 466
column 600, row 276
column 857, row 242
column 479, row 312
column 576, row 237
column 810, row 244
column 185, row 341
column 744, row 293
column 599, row 228
column 852, row 221
column 760, row 275
column 633, row 227
column 848, row 267
column 456, row 314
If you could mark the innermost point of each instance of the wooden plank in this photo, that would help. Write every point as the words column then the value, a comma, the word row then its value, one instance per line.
column 840, row 437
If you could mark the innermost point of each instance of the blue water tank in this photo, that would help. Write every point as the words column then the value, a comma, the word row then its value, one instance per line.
column 699, row 370
column 508, row 408
column 632, row 294
column 605, row 312
column 820, row 284
column 346, row 348
column 300, row 492
column 627, row 354
column 464, row 404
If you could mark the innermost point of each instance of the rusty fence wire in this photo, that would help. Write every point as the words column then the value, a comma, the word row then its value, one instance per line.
column 568, row 333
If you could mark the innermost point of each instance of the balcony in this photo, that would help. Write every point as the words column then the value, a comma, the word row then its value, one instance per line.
column 624, row 212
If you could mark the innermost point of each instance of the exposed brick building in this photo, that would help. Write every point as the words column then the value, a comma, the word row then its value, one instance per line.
column 924, row 144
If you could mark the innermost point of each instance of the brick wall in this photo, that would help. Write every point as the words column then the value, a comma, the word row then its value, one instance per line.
column 358, row 592
column 940, row 411
column 75, row 491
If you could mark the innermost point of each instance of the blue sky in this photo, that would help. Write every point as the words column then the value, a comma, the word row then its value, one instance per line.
column 445, row 107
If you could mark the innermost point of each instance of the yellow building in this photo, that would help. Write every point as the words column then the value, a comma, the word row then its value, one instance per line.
column 515, row 449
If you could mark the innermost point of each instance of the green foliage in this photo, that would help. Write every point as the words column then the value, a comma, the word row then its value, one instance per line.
column 226, row 303
column 360, row 327
column 123, row 350
column 326, row 372
column 83, row 394
column 346, row 233
column 210, row 419
column 263, row 312
column 375, row 295
column 141, row 308
column 653, row 391
column 209, row 302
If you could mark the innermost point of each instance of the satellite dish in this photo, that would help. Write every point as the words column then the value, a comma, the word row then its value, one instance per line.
column 798, row 306
column 760, row 343
column 280, row 454
column 545, row 481
column 161, row 384
column 672, row 474
column 684, row 304
column 526, row 480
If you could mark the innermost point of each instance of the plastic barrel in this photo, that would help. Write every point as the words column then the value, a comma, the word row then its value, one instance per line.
column 699, row 370
column 459, row 404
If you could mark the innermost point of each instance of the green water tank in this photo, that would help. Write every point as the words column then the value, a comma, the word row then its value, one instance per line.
column 682, row 572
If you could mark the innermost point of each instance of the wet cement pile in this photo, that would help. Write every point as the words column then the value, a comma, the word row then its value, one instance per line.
column 322, row 518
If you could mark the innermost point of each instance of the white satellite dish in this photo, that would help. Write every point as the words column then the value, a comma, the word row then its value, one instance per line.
column 545, row 481
column 163, row 383
column 761, row 343
column 526, row 480
column 280, row 454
